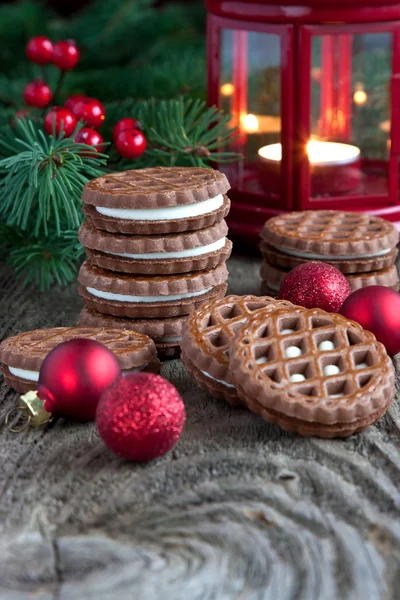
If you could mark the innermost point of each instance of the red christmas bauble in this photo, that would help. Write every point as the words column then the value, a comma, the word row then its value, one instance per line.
column 74, row 375
column 315, row 285
column 71, row 102
column 141, row 416
column 90, row 137
column 124, row 124
column 61, row 119
column 91, row 111
column 39, row 50
column 65, row 55
column 130, row 143
column 377, row 309
column 37, row 93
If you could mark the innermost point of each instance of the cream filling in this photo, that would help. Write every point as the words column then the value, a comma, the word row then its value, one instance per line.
column 198, row 251
column 170, row 339
column 127, row 298
column 183, row 211
column 333, row 256
column 218, row 380
column 34, row 375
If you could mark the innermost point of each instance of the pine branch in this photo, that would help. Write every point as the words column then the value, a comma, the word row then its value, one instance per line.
column 42, row 178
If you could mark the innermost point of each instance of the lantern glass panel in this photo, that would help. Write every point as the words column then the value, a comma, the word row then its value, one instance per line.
column 350, row 105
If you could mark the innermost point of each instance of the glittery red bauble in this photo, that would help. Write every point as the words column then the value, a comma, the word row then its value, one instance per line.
column 65, row 55
column 377, row 309
column 59, row 119
column 71, row 102
column 141, row 416
column 74, row 375
column 90, row 137
column 39, row 50
column 37, row 93
column 130, row 143
column 91, row 111
column 124, row 124
column 315, row 285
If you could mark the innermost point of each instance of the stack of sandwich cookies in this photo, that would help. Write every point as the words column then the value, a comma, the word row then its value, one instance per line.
column 362, row 247
column 206, row 337
column 156, row 246
column 22, row 355
column 311, row 372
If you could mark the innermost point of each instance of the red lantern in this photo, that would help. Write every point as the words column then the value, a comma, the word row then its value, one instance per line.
column 314, row 88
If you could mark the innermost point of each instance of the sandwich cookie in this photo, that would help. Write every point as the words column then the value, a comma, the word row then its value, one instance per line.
column 166, row 333
column 157, row 254
column 272, row 277
column 312, row 372
column 157, row 200
column 206, row 337
column 351, row 242
column 140, row 296
column 22, row 355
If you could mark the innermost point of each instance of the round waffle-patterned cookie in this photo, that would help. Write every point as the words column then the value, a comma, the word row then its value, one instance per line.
column 157, row 254
column 156, row 200
column 206, row 336
column 141, row 296
column 22, row 355
column 312, row 372
column 352, row 242
column 166, row 333
column 272, row 278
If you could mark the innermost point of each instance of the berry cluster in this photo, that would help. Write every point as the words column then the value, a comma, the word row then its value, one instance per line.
column 128, row 137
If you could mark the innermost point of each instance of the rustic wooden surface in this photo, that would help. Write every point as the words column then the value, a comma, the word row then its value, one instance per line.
column 239, row 510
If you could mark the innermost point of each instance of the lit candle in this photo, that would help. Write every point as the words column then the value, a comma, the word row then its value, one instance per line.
column 335, row 167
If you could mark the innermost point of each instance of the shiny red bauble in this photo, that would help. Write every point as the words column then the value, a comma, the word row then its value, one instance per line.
column 39, row 50
column 141, row 416
column 73, row 100
column 130, row 143
column 37, row 93
column 65, row 55
column 377, row 309
column 124, row 124
column 59, row 119
column 90, row 137
column 91, row 111
column 74, row 375
column 315, row 285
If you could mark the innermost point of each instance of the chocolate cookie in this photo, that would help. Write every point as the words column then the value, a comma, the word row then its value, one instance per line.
column 22, row 355
column 206, row 336
column 352, row 242
column 140, row 296
column 157, row 254
column 156, row 200
column 166, row 333
column 272, row 277
column 312, row 372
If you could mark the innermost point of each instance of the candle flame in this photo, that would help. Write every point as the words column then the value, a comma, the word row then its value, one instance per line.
column 227, row 89
column 250, row 123
column 319, row 153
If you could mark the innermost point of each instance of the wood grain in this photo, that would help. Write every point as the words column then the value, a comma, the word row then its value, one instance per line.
column 238, row 510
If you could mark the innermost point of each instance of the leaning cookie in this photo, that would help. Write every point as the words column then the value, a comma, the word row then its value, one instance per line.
column 140, row 296
column 352, row 242
column 157, row 254
column 156, row 200
column 166, row 333
column 22, row 355
column 311, row 372
column 206, row 336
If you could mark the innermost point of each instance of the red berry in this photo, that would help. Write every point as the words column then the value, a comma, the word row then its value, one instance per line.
column 39, row 50
column 124, row 124
column 88, row 136
column 59, row 119
column 91, row 111
column 130, row 143
column 65, row 55
column 37, row 93
column 73, row 100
